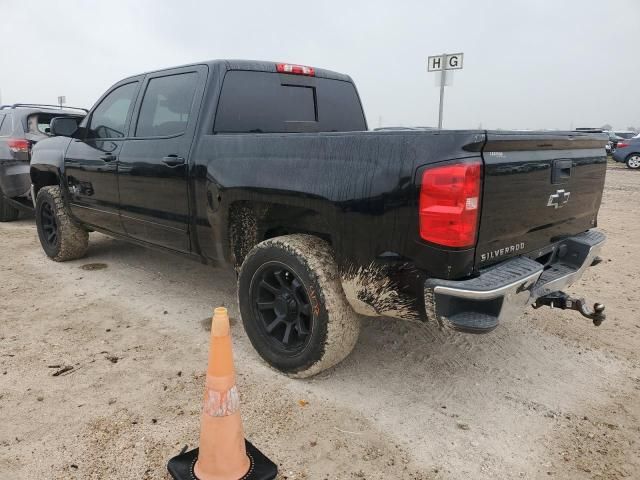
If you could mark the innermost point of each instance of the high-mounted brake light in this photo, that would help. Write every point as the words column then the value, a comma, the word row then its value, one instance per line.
column 18, row 145
column 449, row 204
column 295, row 69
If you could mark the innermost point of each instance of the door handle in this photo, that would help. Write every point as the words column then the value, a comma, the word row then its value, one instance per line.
column 173, row 160
column 108, row 158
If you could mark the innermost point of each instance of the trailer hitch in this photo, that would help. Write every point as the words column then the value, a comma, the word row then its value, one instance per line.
column 565, row 302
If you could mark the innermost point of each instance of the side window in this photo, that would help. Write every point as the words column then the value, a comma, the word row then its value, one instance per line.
column 166, row 105
column 109, row 119
column 5, row 125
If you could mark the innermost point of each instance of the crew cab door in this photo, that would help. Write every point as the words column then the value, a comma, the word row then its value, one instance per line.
column 91, row 162
column 153, row 169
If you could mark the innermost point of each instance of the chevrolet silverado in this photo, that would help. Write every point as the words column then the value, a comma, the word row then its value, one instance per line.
column 268, row 168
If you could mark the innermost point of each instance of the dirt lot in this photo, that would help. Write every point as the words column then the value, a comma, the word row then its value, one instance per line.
column 544, row 395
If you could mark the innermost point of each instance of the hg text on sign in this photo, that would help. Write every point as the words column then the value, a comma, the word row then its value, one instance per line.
column 451, row 61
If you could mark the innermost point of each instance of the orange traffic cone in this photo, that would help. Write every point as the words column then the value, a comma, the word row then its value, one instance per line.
column 224, row 454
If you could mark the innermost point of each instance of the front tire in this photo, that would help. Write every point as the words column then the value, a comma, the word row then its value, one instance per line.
column 293, row 307
column 61, row 239
column 633, row 161
column 8, row 213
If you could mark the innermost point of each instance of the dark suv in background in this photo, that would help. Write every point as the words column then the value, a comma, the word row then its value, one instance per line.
column 21, row 126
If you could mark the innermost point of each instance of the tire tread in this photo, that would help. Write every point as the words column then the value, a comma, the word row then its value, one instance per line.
column 74, row 240
column 343, row 326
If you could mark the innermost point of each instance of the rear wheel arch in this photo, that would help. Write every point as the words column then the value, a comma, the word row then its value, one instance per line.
column 250, row 223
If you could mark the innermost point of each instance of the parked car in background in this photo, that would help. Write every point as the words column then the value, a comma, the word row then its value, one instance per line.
column 23, row 125
column 615, row 137
column 628, row 152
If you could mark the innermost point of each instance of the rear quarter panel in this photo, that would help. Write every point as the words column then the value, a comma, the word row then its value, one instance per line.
column 356, row 188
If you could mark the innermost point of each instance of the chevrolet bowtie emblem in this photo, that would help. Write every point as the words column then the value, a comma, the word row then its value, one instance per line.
column 558, row 199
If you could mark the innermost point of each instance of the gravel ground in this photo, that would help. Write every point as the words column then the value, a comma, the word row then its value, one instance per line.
column 102, row 370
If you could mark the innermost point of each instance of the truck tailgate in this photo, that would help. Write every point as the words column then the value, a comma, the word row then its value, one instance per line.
column 538, row 188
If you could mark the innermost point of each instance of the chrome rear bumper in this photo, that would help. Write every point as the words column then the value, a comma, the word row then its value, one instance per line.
column 504, row 290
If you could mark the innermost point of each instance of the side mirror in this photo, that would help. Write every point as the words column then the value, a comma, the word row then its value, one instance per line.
column 64, row 126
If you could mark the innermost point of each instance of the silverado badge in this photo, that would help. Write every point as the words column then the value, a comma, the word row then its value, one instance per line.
column 558, row 199
column 499, row 252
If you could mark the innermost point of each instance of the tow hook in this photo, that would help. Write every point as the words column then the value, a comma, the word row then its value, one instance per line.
column 565, row 302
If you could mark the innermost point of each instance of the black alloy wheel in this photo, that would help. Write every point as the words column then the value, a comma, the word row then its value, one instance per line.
column 49, row 225
column 60, row 237
column 293, row 306
column 281, row 305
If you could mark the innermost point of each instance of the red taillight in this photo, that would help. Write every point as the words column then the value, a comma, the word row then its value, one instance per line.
column 622, row 144
column 450, row 204
column 295, row 69
column 18, row 145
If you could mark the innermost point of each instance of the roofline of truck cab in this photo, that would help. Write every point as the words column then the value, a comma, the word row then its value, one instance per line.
column 250, row 65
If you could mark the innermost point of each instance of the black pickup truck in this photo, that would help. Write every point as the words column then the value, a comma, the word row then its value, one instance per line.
column 268, row 168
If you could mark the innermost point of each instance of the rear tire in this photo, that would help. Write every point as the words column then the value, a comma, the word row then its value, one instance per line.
column 8, row 213
column 633, row 161
column 293, row 307
column 61, row 239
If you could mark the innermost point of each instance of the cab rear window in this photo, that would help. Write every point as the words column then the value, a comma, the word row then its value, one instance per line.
column 263, row 102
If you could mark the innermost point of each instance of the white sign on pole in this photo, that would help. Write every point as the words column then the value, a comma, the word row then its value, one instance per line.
column 450, row 61
column 442, row 64
column 437, row 78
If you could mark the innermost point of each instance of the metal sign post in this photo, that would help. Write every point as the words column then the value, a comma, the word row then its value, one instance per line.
column 443, row 79
column 442, row 63
column 62, row 100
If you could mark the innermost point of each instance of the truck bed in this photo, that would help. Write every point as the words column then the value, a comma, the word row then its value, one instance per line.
column 360, row 190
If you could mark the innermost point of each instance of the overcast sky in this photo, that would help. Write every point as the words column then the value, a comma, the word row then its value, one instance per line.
column 527, row 64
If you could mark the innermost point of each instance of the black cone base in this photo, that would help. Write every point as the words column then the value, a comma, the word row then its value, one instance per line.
column 181, row 466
